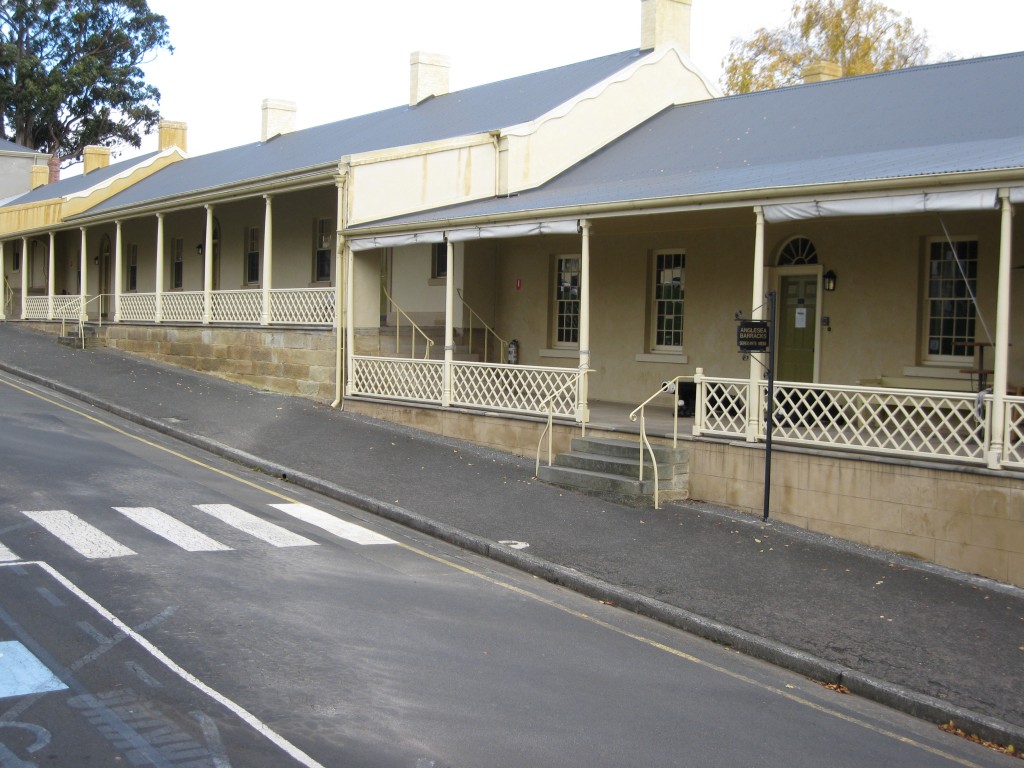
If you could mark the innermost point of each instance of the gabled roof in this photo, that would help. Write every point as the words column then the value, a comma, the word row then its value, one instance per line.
column 75, row 184
column 470, row 111
column 955, row 117
column 10, row 148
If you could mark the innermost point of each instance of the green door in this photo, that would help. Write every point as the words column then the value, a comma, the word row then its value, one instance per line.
column 798, row 322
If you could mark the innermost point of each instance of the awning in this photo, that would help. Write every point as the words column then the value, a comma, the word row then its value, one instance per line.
column 889, row 205
column 469, row 233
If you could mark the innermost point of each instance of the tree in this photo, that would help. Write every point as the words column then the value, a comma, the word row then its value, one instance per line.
column 71, row 76
column 862, row 36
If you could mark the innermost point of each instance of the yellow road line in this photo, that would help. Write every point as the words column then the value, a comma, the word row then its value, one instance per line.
column 539, row 598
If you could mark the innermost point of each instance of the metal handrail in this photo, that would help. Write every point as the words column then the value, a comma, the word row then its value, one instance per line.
column 488, row 331
column 550, row 404
column 415, row 329
column 8, row 297
column 669, row 387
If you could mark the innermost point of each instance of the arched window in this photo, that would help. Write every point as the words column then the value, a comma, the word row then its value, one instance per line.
column 798, row 252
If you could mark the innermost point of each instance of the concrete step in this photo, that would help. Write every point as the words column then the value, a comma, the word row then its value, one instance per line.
column 595, row 482
column 630, row 449
column 623, row 467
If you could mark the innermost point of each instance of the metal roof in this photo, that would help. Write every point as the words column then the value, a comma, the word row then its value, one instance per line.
column 473, row 110
column 939, row 119
column 12, row 147
column 73, row 184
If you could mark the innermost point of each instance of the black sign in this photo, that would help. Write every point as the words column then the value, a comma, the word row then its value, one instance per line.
column 752, row 336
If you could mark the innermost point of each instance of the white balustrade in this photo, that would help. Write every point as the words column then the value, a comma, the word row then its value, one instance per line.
column 138, row 307
column 414, row 380
column 37, row 307
column 182, row 307
column 302, row 306
column 1013, row 433
column 238, row 306
column 514, row 388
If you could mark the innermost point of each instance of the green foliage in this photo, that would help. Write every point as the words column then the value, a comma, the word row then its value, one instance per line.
column 861, row 36
column 71, row 76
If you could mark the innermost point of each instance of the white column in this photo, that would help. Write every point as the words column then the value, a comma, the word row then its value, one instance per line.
column 208, row 268
column 3, row 281
column 340, row 364
column 1002, row 351
column 350, row 317
column 83, row 260
column 51, row 263
column 118, row 270
column 268, row 258
column 757, row 313
column 25, row 266
column 159, row 287
column 581, row 404
column 449, row 324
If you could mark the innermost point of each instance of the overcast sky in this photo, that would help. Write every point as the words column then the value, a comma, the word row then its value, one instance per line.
column 340, row 58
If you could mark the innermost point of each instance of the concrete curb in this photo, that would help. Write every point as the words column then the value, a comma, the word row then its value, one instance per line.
column 919, row 705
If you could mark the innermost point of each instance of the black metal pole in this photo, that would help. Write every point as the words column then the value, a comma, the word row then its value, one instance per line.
column 770, row 407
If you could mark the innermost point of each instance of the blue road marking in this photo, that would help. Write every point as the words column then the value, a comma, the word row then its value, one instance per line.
column 21, row 673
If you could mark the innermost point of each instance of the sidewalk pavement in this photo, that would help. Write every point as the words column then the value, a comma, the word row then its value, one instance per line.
column 933, row 642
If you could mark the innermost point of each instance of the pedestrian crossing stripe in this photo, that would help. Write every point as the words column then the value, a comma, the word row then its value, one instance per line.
column 248, row 523
column 174, row 531
column 333, row 525
column 85, row 539
column 92, row 543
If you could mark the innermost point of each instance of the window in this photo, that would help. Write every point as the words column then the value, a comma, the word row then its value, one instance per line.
column 439, row 261
column 322, row 251
column 131, row 282
column 798, row 252
column 949, row 309
column 252, row 255
column 567, row 301
column 177, row 263
column 16, row 257
column 667, row 295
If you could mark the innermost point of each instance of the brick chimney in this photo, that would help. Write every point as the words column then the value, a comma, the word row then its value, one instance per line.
column 278, row 118
column 428, row 76
column 173, row 134
column 95, row 157
column 664, row 23
column 821, row 71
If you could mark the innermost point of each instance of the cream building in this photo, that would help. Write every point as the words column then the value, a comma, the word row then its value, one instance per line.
column 612, row 217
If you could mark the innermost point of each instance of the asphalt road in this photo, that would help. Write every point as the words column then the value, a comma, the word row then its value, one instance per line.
column 162, row 607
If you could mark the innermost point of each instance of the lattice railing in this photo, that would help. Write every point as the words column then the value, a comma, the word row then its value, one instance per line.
column 305, row 306
column 138, row 307
column 516, row 388
column 903, row 422
column 182, row 307
column 723, row 406
column 238, row 306
column 67, row 307
column 37, row 307
column 1013, row 433
column 415, row 380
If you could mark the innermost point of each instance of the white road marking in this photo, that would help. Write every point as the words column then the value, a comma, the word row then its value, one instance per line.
column 6, row 556
column 88, row 541
column 279, row 741
column 266, row 531
column 333, row 525
column 174, row 531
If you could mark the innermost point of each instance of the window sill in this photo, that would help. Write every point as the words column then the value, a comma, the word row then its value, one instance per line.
column 673, row 358
column 437, row 281
column 560, row 352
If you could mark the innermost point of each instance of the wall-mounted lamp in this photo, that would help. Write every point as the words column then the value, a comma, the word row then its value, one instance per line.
column 828, row 281
column 199, row 250
column 96, row 260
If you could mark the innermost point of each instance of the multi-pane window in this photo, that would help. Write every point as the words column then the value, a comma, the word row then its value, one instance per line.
column 952, row 285
column 567, row 301
column 322, row 254
column 16, row 257
column 668, row 293
column 131, row 281
column 177, row 263
column 439, row 261
column 252, row 255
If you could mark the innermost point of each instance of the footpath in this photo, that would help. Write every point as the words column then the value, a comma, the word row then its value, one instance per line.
column 930, row 641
